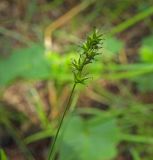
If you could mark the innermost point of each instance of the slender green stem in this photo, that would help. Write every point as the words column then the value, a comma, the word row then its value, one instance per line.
column 137, row 138
column 51, row 152
column 128, row 23
column 135, row 154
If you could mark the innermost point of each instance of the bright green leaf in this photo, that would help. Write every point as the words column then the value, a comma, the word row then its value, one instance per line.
column 92, row 139
column 146, row 50
column 2, row 155
column 24, row 63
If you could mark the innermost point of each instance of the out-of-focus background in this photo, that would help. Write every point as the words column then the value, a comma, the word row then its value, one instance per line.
column 112, row 114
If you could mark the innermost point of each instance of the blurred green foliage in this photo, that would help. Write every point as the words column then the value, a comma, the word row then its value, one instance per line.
column 96, row 139
column 2, row 155
column 33, row 63
column 146, row 50
column 24, row 63
column 144, row 82
column 125, row 93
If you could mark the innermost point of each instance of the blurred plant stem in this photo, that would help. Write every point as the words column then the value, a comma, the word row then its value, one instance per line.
column 63, row 20
column 135, row 19
column 137, row 138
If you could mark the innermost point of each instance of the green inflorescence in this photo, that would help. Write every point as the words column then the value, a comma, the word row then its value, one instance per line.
column 90, row 49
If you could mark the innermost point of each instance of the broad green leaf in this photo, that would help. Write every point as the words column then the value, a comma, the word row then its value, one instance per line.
column 92, row 139
column 24, row 63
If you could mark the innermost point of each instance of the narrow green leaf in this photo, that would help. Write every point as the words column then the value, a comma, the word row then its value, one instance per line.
column 3, row 155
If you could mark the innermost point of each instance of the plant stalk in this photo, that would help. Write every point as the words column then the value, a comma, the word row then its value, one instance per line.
column 51, row 152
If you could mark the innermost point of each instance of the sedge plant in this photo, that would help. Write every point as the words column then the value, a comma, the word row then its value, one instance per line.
column 89, row 50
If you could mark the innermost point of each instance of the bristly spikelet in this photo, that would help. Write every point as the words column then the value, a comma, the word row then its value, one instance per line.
column 90, row 49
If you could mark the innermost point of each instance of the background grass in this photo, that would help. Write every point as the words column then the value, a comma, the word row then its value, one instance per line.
column 112, row 117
